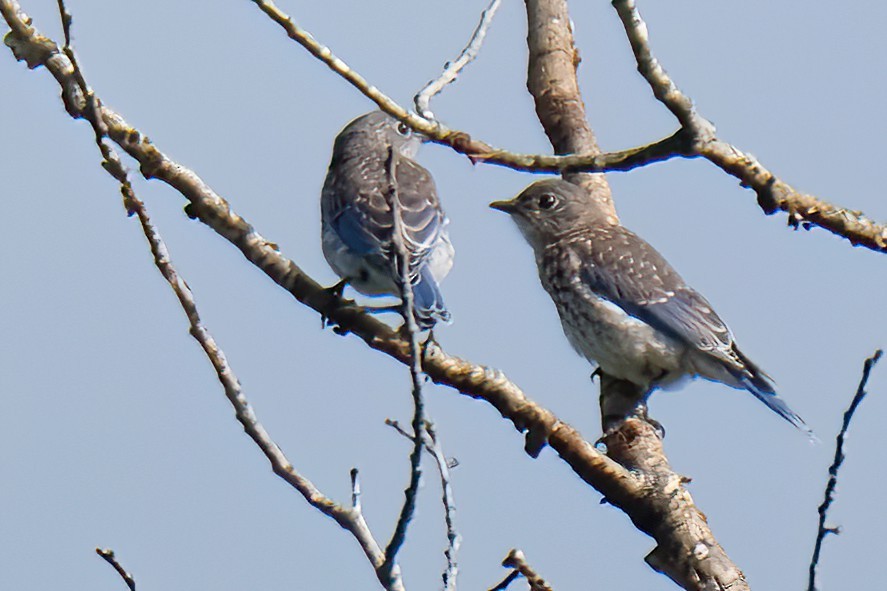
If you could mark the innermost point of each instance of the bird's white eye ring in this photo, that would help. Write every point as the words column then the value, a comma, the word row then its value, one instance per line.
column 547, row 201
column 404, row 129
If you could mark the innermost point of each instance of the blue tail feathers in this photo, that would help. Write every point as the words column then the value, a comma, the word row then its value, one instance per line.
column 428, row 301
column 759, row 383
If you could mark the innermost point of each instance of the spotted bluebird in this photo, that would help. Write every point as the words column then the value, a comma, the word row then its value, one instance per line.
column 357, row 223
column 621, row 304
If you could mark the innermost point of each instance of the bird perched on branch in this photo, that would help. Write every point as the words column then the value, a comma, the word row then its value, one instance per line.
column 621, row 304
column 372, row 168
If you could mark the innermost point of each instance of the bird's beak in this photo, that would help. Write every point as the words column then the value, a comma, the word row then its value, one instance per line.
column 506, row 206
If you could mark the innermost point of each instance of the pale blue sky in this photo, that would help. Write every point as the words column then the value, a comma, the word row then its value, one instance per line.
column 117, row 434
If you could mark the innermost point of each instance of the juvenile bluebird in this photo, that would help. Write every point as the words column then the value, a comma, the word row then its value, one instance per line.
column 357, row 223
column 621, row 304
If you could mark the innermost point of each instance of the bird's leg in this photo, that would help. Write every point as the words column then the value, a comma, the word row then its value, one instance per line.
column 430, row 341
column 334, row 292
column 640, row 411
column 621, row 400
column 597, row 373
column 339, row 288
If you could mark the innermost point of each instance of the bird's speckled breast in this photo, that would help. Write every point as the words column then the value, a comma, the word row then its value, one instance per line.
column 622, row 346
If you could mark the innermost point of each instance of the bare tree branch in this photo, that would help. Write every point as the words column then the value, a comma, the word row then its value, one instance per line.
column 651, row 494
column 351, row 520
column 109, row 557
column 402, row 264
column 452, row 69
column 773, row 194
column 687, row 551
column 552, row 81
column 517, row 561
column 831, row 485
column 491, row 385
column 468, row 378
column 454, row 540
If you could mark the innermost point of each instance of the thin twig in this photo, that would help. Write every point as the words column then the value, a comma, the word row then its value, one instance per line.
column 402, row 265
column 109, row 557
column 452, row 69
column 454, row 540
column 619, row 485
column 471, row 379
column 829, row 495
column 67, row 20
column 352, row 520
column 462, row 142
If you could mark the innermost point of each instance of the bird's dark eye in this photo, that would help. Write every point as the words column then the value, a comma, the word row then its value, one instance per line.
column 547, row 201
column 404, row 129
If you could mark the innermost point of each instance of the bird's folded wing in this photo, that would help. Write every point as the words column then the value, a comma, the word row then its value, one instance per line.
column 358, row 210
column 624, row 269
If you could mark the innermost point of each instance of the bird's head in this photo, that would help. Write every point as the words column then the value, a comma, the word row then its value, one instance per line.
column 381, row 128
column 549, row 209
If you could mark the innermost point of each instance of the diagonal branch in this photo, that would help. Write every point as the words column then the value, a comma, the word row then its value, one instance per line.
column 352, row 519
column 109, row 557
column 349, row 519
column 773, row 194
column 517, row 561
column 454, row 540
column 477, row 381
column 641, row 497
column 451, row 71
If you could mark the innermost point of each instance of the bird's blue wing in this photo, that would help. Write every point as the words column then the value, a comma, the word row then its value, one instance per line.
column 355, row 205
column 624, row 269
column 350, row 224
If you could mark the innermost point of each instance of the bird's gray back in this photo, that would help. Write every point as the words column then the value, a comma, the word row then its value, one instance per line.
column 358, row 182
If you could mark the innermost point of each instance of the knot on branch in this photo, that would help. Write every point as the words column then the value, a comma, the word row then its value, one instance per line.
column 33, row 49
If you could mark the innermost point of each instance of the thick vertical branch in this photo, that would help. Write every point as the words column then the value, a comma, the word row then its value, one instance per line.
column 547, row 29
column 687, row 551
column 551, row 79
column 640, row 483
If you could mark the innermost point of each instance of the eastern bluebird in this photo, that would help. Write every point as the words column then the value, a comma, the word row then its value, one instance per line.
column 621, row 304
column 357, row 223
